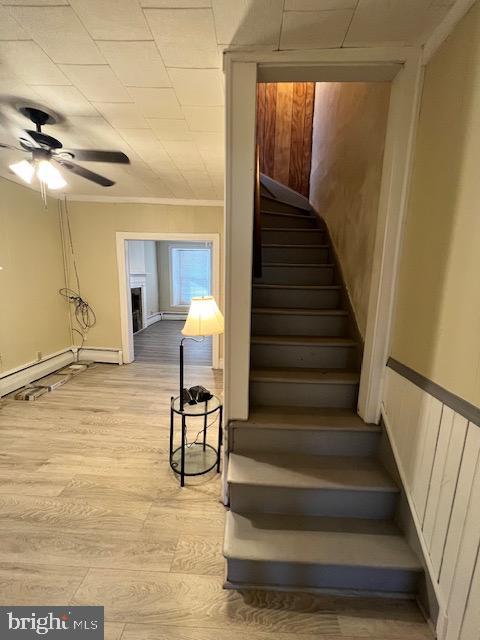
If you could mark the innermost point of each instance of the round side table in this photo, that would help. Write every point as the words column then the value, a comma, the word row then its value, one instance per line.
column 197, row 457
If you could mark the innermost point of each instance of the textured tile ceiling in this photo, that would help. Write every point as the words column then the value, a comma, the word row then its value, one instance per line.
column 144, row 76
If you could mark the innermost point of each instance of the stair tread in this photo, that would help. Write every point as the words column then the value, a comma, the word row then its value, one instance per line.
column 315, row 540
column 303, row 375
column 296, row 246
column 313, row 287
column 303, row 340
column 297, row 471
column 300, row 311
column 306, row 214
column 326, row 265
column 292, row 230
column 305, row 418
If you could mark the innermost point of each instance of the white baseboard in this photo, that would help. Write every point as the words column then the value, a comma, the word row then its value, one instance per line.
column 101, row 354
column 33, row 371
column 154, row 318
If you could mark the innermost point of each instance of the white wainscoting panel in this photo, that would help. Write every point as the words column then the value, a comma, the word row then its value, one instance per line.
column 438, row 451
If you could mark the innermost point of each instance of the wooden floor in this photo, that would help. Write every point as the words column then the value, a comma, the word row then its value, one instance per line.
column 90, row 513
column 159, row 344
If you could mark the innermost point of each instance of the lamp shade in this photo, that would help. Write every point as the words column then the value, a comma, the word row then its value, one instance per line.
column 204, row 318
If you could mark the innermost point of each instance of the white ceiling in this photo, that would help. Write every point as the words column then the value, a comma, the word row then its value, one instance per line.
column 144, row 76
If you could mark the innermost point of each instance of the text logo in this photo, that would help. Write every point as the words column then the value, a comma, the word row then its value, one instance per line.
column 57, row 623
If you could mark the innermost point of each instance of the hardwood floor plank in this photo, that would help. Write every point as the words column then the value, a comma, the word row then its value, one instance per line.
column 159, row 343
column 199, row 555
column 105, row 549
column 113, row 630
column 70, row 514
column 203, row 516
column 38, row 584
column 200, row 602
column 32, row 483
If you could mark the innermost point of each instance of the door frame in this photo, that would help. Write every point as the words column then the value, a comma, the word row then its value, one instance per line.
column 124, row 286
column 403, row 67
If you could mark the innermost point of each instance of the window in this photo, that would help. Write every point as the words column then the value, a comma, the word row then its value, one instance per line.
column 190, row 269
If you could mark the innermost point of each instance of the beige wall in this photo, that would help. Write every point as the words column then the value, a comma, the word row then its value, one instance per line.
column 33, row 316
column 437, row 320
column 349, row 126
column 94, row 228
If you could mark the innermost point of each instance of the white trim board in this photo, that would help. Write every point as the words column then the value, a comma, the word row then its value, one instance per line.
column 124, row 285
column 15, row 379
column 445, row 28
column 20, row 376
column 142, row 200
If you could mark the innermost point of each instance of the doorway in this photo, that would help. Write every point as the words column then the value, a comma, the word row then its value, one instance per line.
column 243, row 71
column 158, row 276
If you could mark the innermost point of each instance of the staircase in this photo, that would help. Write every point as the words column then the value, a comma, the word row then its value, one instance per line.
column 311, row 505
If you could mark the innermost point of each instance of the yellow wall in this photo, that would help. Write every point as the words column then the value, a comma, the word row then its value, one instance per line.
column 94, row 228
column 347, row 153
column 33, row 316
column 437, row 321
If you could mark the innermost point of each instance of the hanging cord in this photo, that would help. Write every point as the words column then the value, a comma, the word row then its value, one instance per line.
column 83, row 313
column 190, row 444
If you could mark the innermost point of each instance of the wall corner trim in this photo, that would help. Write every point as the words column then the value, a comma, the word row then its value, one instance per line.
column 445, row 28
column 459, row 405
column 418, row 528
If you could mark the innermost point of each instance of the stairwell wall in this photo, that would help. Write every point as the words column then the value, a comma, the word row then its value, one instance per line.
column 431, row 400
column 349, row 126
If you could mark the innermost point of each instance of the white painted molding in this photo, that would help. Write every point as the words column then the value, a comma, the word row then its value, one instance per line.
column 101, row 354
column 155, row 317
column 140, row 200
column 241, row 90
column 345, row 55
column 124, row 284
column 71, row 197
column 396, row 173
column 15, row 379
column 445, row 28
column 418, row 527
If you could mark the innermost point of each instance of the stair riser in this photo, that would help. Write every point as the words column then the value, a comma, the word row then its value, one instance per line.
column 287, row 221
column 303, row 356
column 274, row 236
column 280, row 207
column 265, row 324
column 303, row 394
column 309, row 442
column 298, row 254
column 299, row 575
column 374, row 505
column 296, row 298
column 296, row 275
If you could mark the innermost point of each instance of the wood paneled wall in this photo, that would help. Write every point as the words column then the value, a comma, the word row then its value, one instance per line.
column 439, row 452
column 284, row 132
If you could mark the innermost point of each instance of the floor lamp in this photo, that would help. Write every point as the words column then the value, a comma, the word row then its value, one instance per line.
column 204, row 319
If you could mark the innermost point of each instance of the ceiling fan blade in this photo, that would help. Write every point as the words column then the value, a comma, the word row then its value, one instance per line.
column 85, row 173
column 27, row 140
column 96, row 155
column 9, row 146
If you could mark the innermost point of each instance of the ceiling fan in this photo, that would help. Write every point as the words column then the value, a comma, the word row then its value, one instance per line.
column 46, row 150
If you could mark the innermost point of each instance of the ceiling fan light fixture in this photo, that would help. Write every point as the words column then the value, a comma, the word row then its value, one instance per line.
column 50, row 175
column 23, row 169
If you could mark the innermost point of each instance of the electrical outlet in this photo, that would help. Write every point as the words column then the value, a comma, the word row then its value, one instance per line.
column 39, row 355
